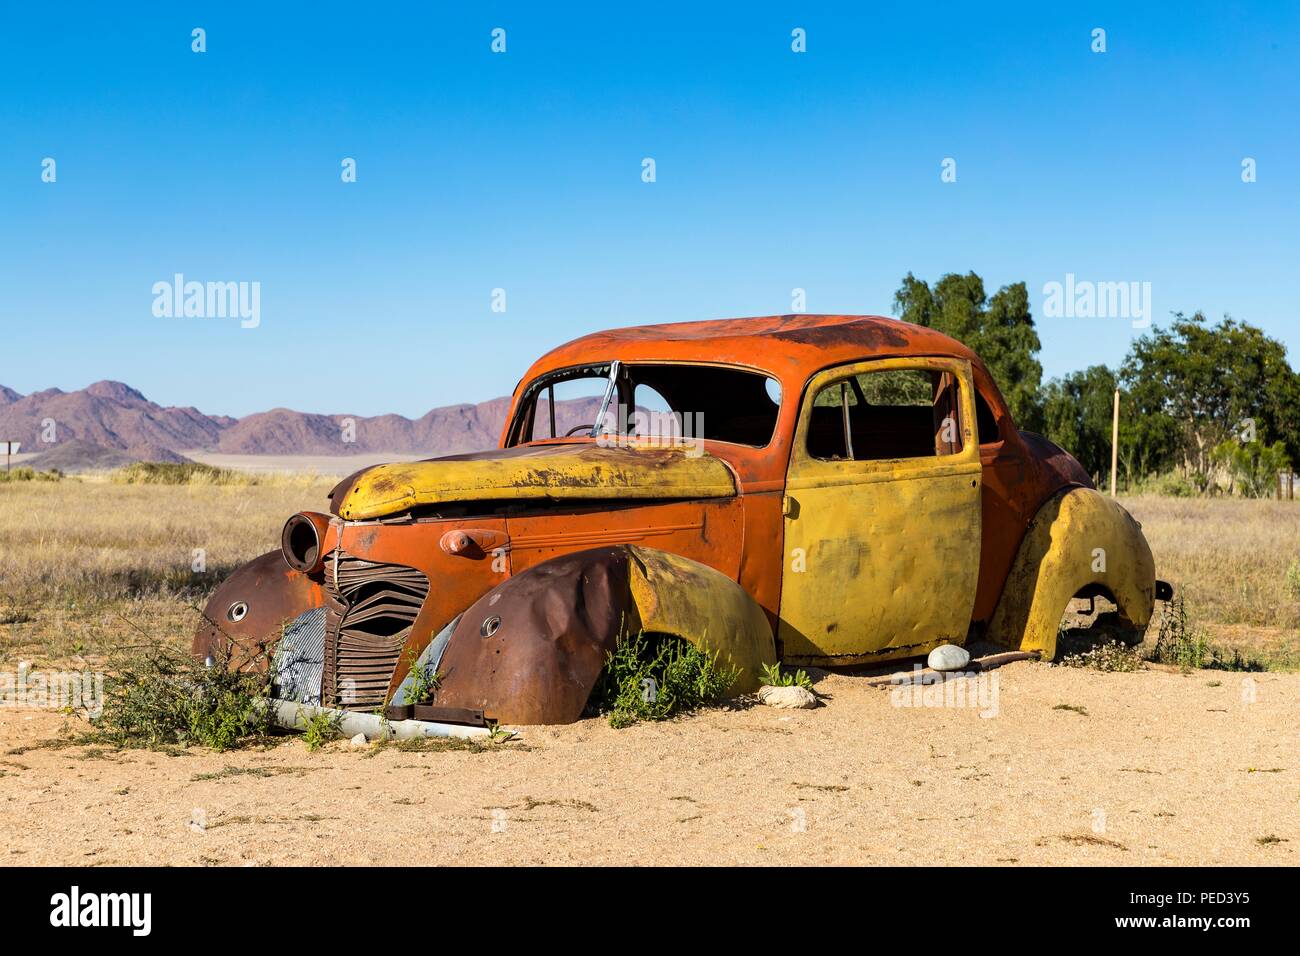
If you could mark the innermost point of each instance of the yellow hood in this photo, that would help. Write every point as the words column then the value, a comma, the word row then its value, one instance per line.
column 581, row 470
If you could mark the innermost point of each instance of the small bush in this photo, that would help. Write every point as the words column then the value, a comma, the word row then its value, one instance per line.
column 1179, row 643
column 30, row 474
column 1170, row 485
column 162, row 697
column 179, row 473
column 1184, row 645
column 648, row 679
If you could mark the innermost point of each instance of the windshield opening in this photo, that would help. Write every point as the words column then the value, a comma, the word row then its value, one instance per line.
column 651, row 401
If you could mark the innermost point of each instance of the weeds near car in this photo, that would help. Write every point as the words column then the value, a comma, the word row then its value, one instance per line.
column 773, row 676
column 1186, row 646
column 425, row 682
column 1179, row 643
column 160, row 696
column 653, row 679
column 1112, row 657
column 321, row 726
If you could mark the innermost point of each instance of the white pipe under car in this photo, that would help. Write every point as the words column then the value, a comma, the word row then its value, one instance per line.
column 292, row 715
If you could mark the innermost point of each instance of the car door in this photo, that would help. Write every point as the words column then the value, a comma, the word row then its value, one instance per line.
column 882, row 512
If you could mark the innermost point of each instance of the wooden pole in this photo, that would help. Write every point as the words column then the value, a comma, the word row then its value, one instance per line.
column 1114, row 445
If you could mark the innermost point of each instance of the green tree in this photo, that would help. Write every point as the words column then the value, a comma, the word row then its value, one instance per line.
column 1252, row 466
column 1194, row 386
column 1000, row 330
column 1076, row 415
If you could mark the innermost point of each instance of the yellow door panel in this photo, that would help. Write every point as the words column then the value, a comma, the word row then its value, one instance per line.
column 882, row 556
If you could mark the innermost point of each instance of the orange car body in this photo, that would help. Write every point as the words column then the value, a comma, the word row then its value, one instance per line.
column 702, row 534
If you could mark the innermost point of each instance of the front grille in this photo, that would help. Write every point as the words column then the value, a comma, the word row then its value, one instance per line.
column 368, row 617
column 300, row 657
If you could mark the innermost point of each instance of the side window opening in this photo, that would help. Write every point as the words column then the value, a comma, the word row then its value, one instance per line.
column 893, row 413
column 567, row 404
column 985, row 421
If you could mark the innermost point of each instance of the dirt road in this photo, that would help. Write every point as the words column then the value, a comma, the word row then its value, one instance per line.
column 1075, row 767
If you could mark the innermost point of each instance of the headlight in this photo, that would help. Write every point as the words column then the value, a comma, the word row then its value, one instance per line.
column 301, row 541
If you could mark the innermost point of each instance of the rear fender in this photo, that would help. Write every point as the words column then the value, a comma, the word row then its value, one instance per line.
column 1078, row 538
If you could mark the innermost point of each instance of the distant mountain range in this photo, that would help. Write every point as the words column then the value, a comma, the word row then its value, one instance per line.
column 115, row 416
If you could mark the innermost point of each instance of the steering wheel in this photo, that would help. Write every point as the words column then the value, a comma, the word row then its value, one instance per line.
column 578, row 428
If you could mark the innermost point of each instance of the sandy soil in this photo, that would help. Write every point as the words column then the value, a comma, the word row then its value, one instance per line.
column 1160, row 768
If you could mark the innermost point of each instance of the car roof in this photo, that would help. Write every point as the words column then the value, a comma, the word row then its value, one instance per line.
column 792, row 347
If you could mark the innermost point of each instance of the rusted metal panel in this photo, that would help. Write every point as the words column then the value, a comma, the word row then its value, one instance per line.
column 580, row 471
column 270, row 594
column 530, row 651
column 457, row 580
column 881, row 554
column 708, row 531
column 369, row 613
column 1079, row 538
column 683, row 598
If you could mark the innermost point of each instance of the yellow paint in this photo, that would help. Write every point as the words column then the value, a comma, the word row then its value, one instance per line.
column 578, row 471
column 678, row 596
column 889, row 550
column 1059, row 557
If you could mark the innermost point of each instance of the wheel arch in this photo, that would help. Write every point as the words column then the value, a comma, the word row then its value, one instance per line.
column 1078, row 540
column 531, row 650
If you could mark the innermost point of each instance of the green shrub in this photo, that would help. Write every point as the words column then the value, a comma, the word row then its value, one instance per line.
column 656, row 677
column 1170, row 485
column 161, row 697
column 1179, row 642
column 1252, row 466
column 425, row 682
column 322, row 727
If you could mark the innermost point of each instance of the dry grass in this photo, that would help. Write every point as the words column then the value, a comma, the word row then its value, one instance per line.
column 1230, row 558
column 87, row 566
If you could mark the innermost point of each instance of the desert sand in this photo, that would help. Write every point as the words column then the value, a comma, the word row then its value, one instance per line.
column 1155, row 767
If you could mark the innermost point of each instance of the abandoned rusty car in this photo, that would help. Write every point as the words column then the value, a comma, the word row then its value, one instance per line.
column 833, row 490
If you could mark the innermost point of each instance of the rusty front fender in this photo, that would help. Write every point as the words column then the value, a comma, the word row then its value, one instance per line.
column 531, row 650
column 246, row 615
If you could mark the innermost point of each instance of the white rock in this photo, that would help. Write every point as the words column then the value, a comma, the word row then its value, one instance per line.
column 948, row 657
column 788, row 698
column 359, row 741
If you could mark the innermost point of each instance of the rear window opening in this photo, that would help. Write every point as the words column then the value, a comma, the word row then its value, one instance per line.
column 651, row 401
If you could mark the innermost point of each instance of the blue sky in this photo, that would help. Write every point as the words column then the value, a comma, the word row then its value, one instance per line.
column 522, row 171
